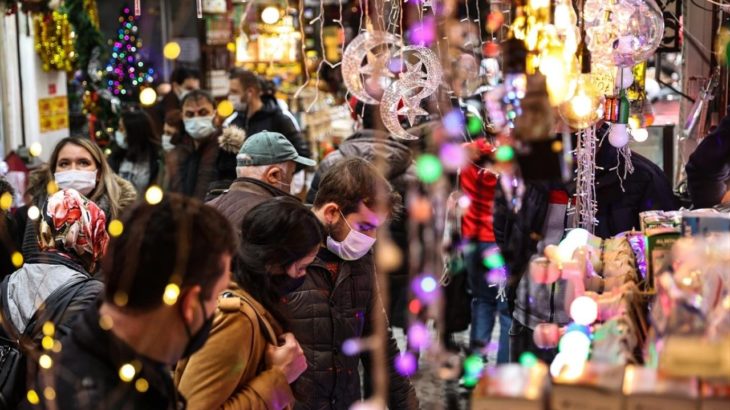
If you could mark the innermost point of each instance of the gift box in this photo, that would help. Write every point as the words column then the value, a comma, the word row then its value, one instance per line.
column 597, row 388
column 511, row 386
column 647, row 389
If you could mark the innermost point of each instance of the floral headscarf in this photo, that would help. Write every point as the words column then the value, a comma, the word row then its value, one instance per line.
column 73, row 224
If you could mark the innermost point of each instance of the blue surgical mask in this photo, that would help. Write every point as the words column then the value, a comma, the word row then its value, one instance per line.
column 199, row 127
column 121, row 139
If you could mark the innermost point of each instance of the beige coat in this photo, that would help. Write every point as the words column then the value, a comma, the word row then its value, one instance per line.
column 229, row 372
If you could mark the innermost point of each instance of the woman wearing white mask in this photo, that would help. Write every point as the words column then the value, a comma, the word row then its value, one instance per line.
column 79, row 163
column 138, row 156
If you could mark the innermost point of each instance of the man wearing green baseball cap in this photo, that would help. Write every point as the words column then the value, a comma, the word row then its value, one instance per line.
column 265, row 166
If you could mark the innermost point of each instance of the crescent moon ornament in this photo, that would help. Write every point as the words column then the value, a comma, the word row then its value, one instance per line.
column 377, row 65
column 412, row 86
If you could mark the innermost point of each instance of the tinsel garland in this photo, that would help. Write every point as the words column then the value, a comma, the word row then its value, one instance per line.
column 54, row 41
column 585, row 187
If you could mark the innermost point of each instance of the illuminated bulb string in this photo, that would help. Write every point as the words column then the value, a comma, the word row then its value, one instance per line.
column 585, row 188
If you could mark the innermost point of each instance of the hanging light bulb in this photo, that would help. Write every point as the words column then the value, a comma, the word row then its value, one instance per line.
column 585, row 107
column 640, row 134
column 270, row 15
column 560, row 75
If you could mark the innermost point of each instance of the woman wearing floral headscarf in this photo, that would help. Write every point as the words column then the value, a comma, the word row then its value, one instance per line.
column 72, row 239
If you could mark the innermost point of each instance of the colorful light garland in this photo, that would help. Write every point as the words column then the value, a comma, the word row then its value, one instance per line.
column 126, row 73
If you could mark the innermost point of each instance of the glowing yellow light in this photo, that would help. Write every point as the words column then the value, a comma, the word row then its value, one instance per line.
column 640, row 134
column 35, row 149
column 17, row 259
column 49, row 393
column 270, row 15
column 172, row 291
column 141, row 385
column 127, row 372
column 116, row 227
column 565, row 16
column 581, row 105
column 153, row 196
column 231, row 47
column 49, row 329
column 171, row 50
column 51, row 187
column 32, row 397
column 634, row 122
column 121, row 298
column 106, row 322
column 57, row 346
column 539, row 4
column 47, row 342
column 6, row 201
column 34, row 213
column 45, row 361
column 225, row 108
column 148, row 96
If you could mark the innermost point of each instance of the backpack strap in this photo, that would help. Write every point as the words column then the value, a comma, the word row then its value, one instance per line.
column 7, row 322
column 230, row 301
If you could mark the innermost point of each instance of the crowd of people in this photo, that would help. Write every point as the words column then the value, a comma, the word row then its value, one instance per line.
column 230, row 292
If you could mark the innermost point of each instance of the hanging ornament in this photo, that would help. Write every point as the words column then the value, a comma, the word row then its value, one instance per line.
column 618, row 136
column 413, row 85
column 585, row 107
column 585, row 204
column 623, row 32
column 199, row 8
column 376, row 46
column 54, row 41
column 137, row 8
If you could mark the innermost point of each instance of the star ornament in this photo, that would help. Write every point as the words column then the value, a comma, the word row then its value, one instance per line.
column 414, row 73
column 411, row 109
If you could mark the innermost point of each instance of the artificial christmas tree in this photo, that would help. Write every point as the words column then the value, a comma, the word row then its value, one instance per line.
column 126, row 72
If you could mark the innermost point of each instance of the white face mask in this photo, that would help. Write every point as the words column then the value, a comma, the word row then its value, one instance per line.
column 238, row 104
column 167, row 142
column 199, row 127
column 354, row 247
column 82, row 181
column 121, row 139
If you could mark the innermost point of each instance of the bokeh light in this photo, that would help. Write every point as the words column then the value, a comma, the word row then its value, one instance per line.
column 225, row 108
column 415, row 306
column 428, row 168
column 127, row 372
column 45, row 361
column 584, row 310
column 351, row 347
column 6, row 201
column 406, row 364
column 154, row 195
column 116, row 227
column 172, row 291
column 453, row 156
column 474, row 365
column 454, row 123
column 148, row 96
column 576, row 345
column 35, row 149
column 528, row 359
column 171, row 51
column 418, row 336
column 504, row 153
column 32, row 397
column 34, row 213
column 17, row 259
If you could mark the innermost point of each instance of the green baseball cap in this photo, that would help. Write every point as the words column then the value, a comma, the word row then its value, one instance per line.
column 267, row 148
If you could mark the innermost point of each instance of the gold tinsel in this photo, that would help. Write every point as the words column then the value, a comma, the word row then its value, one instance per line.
column 92, row 11
column 54, row 41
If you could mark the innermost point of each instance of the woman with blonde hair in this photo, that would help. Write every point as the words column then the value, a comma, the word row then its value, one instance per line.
column 78, row 163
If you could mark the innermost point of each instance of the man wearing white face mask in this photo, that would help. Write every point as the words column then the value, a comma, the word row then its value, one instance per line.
column 265, row 166
column 196, row 168
column 335, row 301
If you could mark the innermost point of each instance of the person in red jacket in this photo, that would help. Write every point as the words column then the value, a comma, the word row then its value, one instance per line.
column 477, row 228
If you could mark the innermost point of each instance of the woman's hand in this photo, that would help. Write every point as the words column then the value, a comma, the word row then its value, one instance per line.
column 289, row 358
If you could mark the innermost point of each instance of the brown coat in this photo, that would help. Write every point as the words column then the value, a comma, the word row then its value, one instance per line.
column 229, row 372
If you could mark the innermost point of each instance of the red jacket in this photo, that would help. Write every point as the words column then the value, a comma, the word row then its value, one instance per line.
column 479, row 185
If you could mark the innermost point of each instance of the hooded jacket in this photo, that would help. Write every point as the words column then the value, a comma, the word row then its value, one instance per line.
column 708, row 168
column 229, row 372
column 325, row 311
column 271, row 118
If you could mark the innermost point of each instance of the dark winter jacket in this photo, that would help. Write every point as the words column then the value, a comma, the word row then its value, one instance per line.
column 271, row 118
column 708, row 168
column 618, row 210
column 325, row 311
column 401, row 172
column 197, row 168
column 244, row 194
column 86, row 373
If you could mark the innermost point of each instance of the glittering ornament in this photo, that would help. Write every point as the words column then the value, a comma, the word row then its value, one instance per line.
column 376, row 47
column 54, row 41
column 623, row 32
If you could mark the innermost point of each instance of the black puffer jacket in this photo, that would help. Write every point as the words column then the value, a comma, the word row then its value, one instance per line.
column 708, row 169
column 271, row 118
column 324, row 313
column 401, row 173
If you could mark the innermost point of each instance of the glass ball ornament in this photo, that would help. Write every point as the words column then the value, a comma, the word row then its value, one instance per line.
column 619, row 135
column 624, row 32
column 585, row 107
